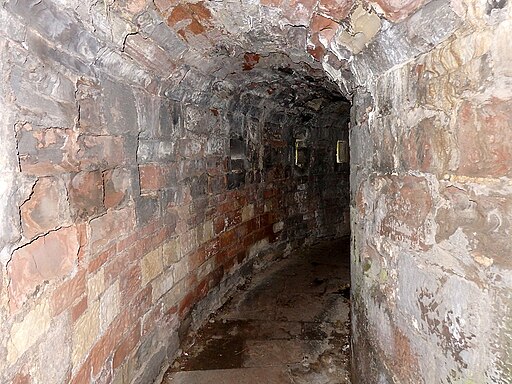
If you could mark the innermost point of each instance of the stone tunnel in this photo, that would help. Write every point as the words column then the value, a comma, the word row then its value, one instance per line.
column 155, row 153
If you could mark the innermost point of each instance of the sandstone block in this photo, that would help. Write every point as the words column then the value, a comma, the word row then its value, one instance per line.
column 109, row 306
column 248, row 212
column 96, row 284
column 336, row 9
column 126, row 347
column 48, row 258
column 484, row 135
column 149, row 54
column 68, row 293
column 85, row 332
column 115, row 224
column 117, row 186
column 119, row 109
column 171, row 252
column 152, row 177
column 101, row 152
column 86, row 194
column 55, row 353
column 89, row 98
column 162, row 284
column 397, row 10
column 46, row 151
column 151, row 265
column 25, row 334
column 46, row 209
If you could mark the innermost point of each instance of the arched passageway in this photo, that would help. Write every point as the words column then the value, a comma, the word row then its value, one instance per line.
column 154, row 152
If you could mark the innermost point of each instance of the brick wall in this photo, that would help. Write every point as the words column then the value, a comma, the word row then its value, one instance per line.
column 125, row 205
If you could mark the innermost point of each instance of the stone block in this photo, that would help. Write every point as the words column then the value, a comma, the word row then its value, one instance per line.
column 126, row 347
column 171, row 252
column 117, row 187
column 428, row 147
column 96, row 285
column 189, row 148
column 86, row 194
column 397, row 10
column 299, row 12
column 112, row 226
column 149, row 109
column 130, row 283
column 65, row 31
column 162, row 284
column 119, row 109
column 42, row 108
column 156, row 150
column 101, row 152
column 152, row 368
column 248, row 212
column 46, row 209
column 68, row 293
column 148, row 54
column 54, row 367
column 236, row 179
column 45, row 259
column 147, row 208
column 484, row 139
column 198, row 186
column 85, row 332
column 26, row 333
column 47, row 52
column 109, row 306
column 151, row 265
column 46, row 151
column 152, row 177
column 129, row 8
column 502, row 49
column 169, row 41
column 180, row 269
column 89, row 98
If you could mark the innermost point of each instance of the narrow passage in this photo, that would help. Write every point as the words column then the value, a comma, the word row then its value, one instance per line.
column 289, row 324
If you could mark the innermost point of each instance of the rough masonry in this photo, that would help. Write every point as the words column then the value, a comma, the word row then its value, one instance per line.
column 147, row 154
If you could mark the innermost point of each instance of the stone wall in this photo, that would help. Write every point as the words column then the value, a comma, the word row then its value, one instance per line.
column 431, row 202
column 126, row 198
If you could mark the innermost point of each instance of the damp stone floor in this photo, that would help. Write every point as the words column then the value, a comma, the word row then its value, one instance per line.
column 289, row 324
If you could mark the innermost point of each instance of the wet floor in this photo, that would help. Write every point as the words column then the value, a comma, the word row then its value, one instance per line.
column 289, row 324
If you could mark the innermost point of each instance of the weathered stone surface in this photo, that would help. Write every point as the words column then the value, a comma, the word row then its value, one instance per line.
column 24, row 334
column 425, row 243
column 45, row 259
column 132, row 107
column 120, row 112
column 397, row 10
column 86, row 194
column 100, row 152
column 151, row 265
column 85, row 332
column 114, row 223
column 46, row 209
column 109, row 306
column 68, row 293
column 46, row 152
column 117, row 187
column 54, row 367
column 483, row 139
column 147, row 53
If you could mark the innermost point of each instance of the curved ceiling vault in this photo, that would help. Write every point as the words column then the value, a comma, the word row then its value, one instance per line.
column 272, row 48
